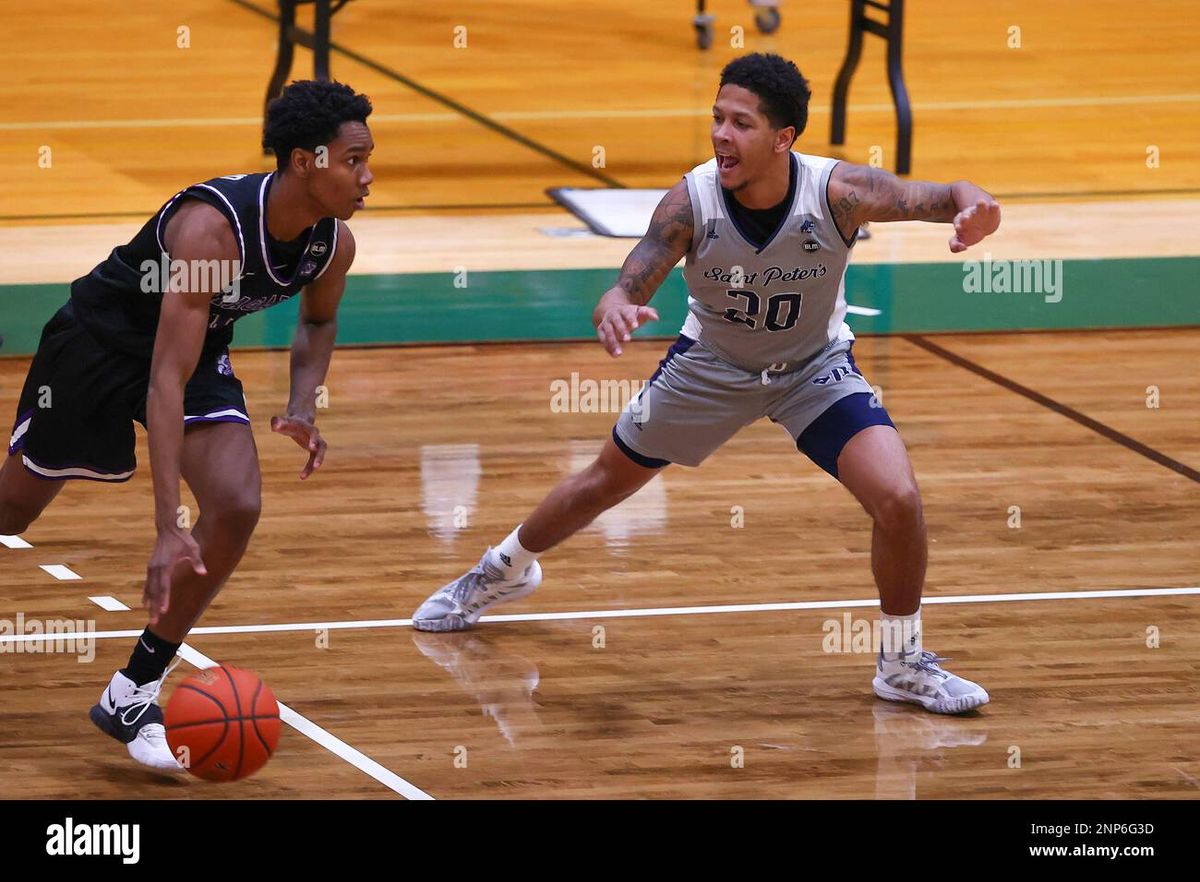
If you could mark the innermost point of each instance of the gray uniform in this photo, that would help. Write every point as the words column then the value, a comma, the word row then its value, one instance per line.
column 765, row 334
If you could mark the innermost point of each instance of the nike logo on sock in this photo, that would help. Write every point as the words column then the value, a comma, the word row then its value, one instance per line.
column 507, row 560
column 144, row 646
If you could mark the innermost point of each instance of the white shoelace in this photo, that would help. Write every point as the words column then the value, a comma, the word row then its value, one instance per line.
column 483, row 573
column 930, row 661
column 144, row 696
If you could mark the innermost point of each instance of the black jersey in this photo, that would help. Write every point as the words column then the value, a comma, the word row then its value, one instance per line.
column 120, row 300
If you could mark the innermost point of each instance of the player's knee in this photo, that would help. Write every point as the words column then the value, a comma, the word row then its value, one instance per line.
column 15, row 518
column 898, row 509
column 238, row 515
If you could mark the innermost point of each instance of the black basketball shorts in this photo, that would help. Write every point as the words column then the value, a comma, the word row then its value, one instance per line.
column 75, row 417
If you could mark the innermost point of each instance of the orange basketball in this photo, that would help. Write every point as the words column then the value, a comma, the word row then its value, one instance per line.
column 222, row 723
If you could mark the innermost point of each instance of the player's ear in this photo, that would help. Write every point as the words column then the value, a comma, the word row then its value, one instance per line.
column 785, row 138
column 301, row 161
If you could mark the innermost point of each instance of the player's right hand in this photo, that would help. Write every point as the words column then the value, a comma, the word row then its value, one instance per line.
column 171, row 547
column 620, row 322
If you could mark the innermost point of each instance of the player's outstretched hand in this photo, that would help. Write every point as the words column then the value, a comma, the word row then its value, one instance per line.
column 620, row 322
column 170, row 547
column 974, row 223
column 307, row 436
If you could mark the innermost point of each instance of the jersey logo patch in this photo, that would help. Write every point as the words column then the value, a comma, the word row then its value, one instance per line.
column 834, row 376
column 806, row 226
column 318, row 248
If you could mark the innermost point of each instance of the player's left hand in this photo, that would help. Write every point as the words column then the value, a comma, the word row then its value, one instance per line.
column 307, row 436
column 974, row 223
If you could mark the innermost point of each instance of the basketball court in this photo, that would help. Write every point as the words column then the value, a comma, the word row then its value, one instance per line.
column 704, row 638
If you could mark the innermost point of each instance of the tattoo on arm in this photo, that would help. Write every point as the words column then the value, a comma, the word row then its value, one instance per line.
column 666, row 241
column 845, row 213
column 871, row 194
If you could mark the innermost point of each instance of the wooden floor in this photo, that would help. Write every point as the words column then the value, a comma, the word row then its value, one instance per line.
column 130, row 117
column 541, row 711
column 437, row 452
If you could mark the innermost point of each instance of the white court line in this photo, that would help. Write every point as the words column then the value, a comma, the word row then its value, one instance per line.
column 333, row 744
column 14, row 542
column 862, row 310
column 615, row 113
column 60, row 571
column 111, row 604
column 1106, row 594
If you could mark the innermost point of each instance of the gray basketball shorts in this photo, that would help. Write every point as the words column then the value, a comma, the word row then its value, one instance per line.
column 696, row 401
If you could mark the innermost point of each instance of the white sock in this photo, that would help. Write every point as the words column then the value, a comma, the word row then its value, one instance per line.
column 900, row 636
column 512, row 556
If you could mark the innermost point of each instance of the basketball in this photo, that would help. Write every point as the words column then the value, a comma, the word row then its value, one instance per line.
column 222, row 724
column 831, row 357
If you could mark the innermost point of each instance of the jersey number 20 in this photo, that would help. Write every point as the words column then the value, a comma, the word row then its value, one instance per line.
column 783, row 310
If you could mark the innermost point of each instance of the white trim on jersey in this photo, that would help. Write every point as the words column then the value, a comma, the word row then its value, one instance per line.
column 262, row 230
column 217, row 414
column 262, row 240
column 332, row 251
column 77, row 472
column 237, row 224
column 19, row 432
column 162, row 214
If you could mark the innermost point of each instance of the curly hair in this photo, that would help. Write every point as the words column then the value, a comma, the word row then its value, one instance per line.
column 781, row 89
column 307, row 114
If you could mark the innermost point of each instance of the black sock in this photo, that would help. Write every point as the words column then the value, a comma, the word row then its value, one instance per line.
column 150, row 658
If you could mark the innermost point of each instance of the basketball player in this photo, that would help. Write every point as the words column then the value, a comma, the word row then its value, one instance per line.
column 121, row 350
column 767, row 234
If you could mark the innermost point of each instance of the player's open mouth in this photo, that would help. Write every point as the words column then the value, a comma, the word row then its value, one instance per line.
column 725, row 162
column 359, row 202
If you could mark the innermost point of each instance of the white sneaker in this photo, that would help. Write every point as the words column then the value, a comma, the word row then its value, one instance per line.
column 128, row 712
column 459, row 605
column 922, row 681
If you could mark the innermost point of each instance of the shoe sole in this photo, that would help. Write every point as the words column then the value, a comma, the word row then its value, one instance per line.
column 949, row 706
column 103, row 721
column 462, row 623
